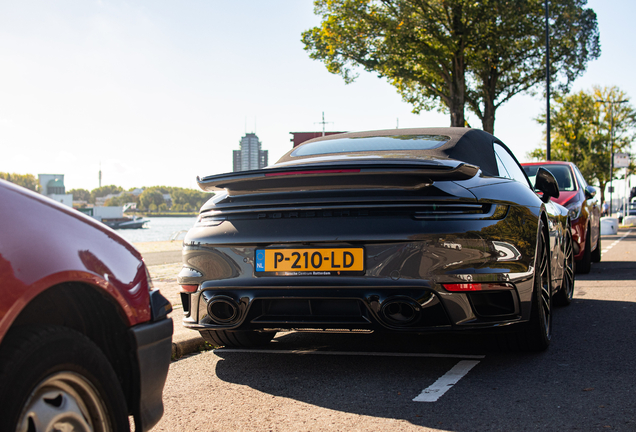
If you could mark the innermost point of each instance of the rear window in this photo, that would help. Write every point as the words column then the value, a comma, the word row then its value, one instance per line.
column 371, row 144
column 561, row 173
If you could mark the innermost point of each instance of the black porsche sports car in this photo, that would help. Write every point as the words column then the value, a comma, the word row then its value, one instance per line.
column 412, row 230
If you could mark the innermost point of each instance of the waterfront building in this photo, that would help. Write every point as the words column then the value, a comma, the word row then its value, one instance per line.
column 250, row 156
column 52, row 185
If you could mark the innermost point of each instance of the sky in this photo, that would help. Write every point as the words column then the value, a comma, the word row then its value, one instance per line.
column 158, row 92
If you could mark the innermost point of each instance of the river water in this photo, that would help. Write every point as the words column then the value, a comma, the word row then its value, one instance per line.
column 159, row 229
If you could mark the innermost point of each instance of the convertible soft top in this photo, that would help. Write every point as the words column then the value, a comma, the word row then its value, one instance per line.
column 472, row 146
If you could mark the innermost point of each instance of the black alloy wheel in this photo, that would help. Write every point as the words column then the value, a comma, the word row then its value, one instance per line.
column 566, row 292
column 541, row 318
column 536, row 334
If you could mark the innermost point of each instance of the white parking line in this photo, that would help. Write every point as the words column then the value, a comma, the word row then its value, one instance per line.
column 442, row 385
column 615, row 242
column 350, row 353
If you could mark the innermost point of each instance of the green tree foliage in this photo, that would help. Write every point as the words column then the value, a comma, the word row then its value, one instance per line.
column 510, row 52
column 581, row 131
column 80, row 195
column 105, row 190
column 449, row 53
column 28, row 181
column 122, row 199
column 195, row 198
column 150, row 197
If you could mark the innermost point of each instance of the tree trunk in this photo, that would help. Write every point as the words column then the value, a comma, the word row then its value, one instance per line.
column 602, row 188
column 488, row 121
column 456, row 104
column 457, row 96
column 490, row 94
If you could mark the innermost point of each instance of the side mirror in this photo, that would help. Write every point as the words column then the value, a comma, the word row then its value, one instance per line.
column 590, row 192
column 546, row 183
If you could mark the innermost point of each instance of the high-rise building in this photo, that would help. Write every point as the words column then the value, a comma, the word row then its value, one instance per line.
column 250, row 156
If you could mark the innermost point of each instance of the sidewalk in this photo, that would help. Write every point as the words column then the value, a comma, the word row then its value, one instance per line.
column 164, row 278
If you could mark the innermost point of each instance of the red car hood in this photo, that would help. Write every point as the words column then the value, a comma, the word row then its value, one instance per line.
column 564, row 197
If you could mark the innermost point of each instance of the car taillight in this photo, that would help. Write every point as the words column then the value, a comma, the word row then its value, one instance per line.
column 466, row 287
column 189, row 288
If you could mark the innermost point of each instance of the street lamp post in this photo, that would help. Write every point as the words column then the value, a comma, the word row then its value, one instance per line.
column 547, row 79
column 612, row 103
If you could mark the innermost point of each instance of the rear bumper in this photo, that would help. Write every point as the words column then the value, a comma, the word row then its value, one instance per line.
column 153, row 346
column 370, row 308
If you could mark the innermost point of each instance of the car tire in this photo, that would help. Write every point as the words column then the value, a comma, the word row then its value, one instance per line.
column 584, row 265
column 596, row 253
column 237, row 339
column 564, row 296
column 536, row 334
column 58, row 376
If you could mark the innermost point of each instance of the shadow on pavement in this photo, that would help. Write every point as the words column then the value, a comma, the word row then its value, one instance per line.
column 585, row 381
column 610, row 270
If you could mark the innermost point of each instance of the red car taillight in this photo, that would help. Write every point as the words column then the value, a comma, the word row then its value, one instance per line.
column 189, row 288
column 466, row 287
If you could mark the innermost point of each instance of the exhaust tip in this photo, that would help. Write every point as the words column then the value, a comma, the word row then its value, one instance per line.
column 400, row 312
column 223, row 310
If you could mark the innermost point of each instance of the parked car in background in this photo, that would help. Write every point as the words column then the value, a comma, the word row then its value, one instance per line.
column 84, row 339
column 413, row 230
column 584, row 209
column 631, row 210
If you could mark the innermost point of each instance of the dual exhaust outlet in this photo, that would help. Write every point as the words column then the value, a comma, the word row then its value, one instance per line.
column 400, row 311
column 223, row 310
column 394, row 311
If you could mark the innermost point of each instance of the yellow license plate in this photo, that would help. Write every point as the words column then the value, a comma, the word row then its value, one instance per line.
column 310, row 261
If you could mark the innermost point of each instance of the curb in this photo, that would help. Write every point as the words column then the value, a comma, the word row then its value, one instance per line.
column 187, row 346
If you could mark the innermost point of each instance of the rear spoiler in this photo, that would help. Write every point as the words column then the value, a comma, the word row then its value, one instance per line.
column 333, row 177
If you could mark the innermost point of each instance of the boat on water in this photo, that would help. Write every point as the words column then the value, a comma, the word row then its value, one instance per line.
column 127, row 222
column 113, row 216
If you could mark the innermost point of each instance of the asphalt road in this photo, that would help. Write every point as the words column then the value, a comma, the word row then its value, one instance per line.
column 586, row 381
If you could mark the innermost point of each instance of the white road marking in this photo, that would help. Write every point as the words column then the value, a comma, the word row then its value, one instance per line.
column 448, row 380
column 615, row 242
column 351, row 353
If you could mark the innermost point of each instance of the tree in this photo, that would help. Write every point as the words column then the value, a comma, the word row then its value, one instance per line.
column 81, row 195
column 614, row 134
column 446, row 53
column 150, row 196
column 510, row 55
column 28, row 181
column 105, row 190
column 122, row 199
column 195, row 198
column 581, row 131
column 573, row 121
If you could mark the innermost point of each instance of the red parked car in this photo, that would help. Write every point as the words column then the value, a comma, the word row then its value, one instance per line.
column 585, row 211
column 84, row 339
